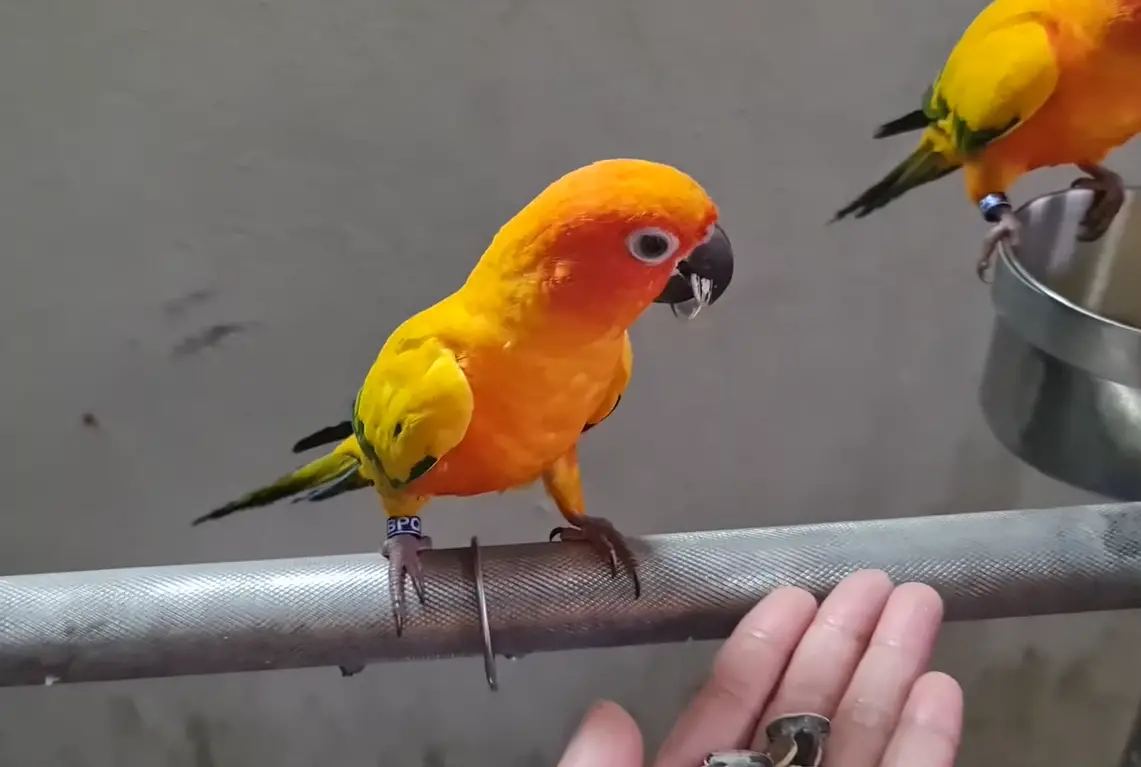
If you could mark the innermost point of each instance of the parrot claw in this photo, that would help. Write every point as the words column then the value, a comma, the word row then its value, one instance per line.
column 1008, row 230
column 607, row 541
column 403, row 555
column 1108, row 197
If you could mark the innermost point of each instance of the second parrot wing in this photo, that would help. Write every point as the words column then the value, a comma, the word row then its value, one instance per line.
column 996, row 78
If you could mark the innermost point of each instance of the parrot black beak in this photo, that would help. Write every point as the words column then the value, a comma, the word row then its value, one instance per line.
column 699, row 280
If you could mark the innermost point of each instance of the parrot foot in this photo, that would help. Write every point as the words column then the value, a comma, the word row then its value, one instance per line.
column 607, row 541
column 1008, row 230
column 402, row 550
column 1108, row 197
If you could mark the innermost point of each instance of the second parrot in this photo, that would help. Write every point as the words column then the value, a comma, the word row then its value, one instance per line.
column 1031, row 84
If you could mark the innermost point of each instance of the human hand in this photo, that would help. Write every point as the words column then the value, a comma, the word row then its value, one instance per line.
column 859, row 659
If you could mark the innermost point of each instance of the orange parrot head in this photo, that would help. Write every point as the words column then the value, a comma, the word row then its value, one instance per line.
column 602, row 243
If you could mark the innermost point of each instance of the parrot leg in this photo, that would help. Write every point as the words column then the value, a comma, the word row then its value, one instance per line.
column 564, row 484
column 402, row 550
column 1108, row 197
column 997, row 210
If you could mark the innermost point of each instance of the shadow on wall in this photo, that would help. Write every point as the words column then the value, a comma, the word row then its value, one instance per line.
column 204, row 740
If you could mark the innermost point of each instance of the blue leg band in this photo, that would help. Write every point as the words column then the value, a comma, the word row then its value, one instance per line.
column 404, row 526
column 992, row 207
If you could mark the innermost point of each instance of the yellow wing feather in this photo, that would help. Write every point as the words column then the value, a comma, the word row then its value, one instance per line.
column 414, row 407
column 1001, row 72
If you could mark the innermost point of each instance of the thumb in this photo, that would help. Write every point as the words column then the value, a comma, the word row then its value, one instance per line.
column 607, row 737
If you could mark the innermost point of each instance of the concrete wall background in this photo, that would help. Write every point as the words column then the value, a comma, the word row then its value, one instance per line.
column 299, row 176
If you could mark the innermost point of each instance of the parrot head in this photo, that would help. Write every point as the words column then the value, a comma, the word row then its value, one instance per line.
column 605, row 241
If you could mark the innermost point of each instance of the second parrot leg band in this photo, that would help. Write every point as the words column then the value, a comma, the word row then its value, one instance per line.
column 404, row 526
column 997, row 210
column 992, row 207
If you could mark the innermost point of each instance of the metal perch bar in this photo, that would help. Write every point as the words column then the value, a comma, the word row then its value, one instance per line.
column 336, row 611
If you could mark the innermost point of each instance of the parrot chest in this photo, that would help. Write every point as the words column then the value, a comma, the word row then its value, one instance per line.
column 529, row 409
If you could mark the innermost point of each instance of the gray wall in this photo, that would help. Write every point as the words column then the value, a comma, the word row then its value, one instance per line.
column 306, row 174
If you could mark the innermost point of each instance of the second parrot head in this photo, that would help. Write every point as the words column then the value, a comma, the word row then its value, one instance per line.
column 606, row 240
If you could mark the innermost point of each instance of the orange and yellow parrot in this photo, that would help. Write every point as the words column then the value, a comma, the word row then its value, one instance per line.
column 1031, row 84
column 491, row 388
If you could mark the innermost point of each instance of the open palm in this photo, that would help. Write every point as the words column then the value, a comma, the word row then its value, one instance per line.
column 860, row 659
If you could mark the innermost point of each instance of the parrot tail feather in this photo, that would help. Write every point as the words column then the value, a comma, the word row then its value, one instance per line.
column 923, row 166
column 350, row 480
column 911, row 121
column 317, row 475
column 326, row 436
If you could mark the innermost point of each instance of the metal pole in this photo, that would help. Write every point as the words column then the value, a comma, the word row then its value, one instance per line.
column 290, row 613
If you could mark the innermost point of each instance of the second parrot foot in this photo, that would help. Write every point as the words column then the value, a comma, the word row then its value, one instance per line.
column 1108, row 197
column 403, row 554
column 1007, row 230
column 607, row 541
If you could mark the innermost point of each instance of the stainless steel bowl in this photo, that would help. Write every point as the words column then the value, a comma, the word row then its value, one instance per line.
column 1062, row 384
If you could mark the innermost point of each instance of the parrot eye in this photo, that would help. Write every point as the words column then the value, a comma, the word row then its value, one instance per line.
column 652, row 245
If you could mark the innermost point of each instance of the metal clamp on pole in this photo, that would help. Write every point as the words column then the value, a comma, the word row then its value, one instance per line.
column 335, row 611
column 484, row 623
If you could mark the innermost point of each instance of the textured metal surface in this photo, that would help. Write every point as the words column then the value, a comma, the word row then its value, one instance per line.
column 195, row 619
column 1076, row 300
column 1062, row 384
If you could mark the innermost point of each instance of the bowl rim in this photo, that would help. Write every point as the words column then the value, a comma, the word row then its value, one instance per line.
column 1083, row 338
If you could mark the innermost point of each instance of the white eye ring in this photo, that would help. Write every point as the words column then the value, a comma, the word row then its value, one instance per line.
column 652, row 245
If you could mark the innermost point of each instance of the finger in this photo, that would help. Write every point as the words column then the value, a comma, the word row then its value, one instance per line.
column 898, row 653
column 744, row 674
column 826, row 657
column 607, row 737
column 931, row 726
